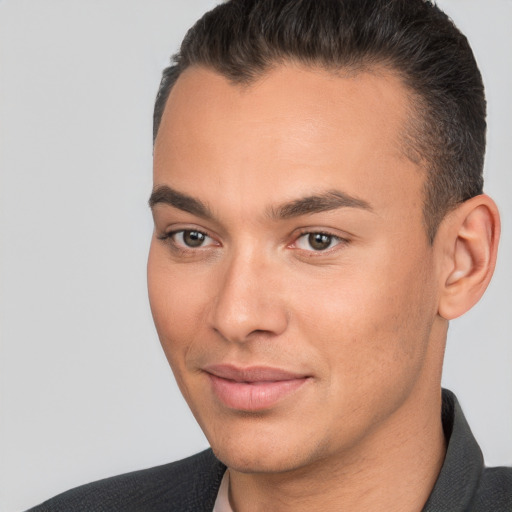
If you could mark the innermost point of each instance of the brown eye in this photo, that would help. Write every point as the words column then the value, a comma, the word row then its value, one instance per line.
column 316, row 241
column 193, row 238
column 190, row 239
column 319, row 241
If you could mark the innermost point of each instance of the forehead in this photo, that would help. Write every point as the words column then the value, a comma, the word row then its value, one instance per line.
column 290, row 94
column 300, row 126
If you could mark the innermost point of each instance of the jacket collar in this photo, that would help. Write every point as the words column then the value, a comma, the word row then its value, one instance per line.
column 463, row 464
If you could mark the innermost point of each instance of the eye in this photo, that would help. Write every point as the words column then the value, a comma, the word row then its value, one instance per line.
column 317, row 241
column 190, row 239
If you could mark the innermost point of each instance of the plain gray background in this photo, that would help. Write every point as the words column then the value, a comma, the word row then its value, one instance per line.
column 85, row 389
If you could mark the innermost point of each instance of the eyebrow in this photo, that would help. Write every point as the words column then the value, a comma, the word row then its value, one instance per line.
column 330, row 200
column 326, row 201
column 163, row 194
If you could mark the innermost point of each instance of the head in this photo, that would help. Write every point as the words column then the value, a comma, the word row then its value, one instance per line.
column 318, row 220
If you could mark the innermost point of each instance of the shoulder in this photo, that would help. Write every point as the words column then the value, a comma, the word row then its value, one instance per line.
column 190, row 484
column 494, row 491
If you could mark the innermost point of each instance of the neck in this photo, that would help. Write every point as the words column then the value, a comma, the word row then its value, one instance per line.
column 395, row 468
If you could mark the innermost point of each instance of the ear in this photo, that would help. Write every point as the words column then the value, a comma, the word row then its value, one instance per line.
column 469, row 238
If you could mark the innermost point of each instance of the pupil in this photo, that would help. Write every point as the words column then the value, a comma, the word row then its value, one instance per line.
column 193, row 238
column 319, row 241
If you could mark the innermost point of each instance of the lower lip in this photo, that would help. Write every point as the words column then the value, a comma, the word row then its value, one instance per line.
column 253, row 396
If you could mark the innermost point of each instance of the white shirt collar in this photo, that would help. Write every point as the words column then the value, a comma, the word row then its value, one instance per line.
column 222, row 501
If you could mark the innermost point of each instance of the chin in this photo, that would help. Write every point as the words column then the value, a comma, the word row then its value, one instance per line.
column 249, row 460
column 264, row 449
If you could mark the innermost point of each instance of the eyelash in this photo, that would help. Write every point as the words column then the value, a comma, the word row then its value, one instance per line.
column 184, row 249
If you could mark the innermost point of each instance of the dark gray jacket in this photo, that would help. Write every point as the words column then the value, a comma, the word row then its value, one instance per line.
column 191, row 485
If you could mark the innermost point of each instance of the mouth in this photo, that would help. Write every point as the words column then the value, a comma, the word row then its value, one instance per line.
column 253, row 389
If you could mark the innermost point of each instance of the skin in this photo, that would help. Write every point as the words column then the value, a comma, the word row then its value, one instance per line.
column 360, row 319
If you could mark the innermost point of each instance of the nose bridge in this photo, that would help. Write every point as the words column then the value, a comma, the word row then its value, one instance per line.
column 248, row 301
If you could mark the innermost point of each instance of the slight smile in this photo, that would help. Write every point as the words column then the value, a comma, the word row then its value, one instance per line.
column 252, row 389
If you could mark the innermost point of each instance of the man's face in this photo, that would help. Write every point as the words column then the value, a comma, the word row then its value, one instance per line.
column 290, row 277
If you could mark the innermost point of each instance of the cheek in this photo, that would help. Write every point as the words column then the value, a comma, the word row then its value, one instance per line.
column 369, row 328
column 177, row 305
column 372, row 318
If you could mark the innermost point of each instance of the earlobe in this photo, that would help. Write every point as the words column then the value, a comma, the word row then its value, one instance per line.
column 471, row 239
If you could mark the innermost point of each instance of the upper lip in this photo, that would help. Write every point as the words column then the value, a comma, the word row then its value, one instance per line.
column 252, row 373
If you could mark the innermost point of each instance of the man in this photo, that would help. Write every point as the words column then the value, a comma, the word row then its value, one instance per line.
column 319, row 219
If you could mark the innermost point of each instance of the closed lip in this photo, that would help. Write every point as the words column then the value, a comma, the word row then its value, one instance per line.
column 254, row 388
column 252, row 373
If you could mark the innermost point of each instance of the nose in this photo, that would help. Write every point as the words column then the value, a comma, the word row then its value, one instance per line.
column 250, row 301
